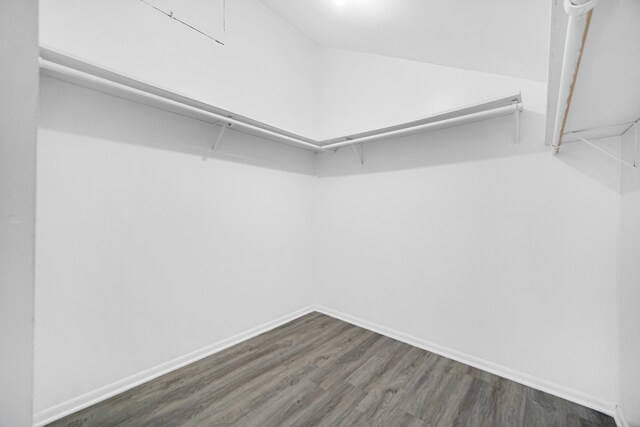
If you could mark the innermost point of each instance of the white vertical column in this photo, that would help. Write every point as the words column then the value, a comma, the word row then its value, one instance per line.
column 18, row 122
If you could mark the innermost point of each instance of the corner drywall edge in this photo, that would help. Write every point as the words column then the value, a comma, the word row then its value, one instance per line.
column 18, row 147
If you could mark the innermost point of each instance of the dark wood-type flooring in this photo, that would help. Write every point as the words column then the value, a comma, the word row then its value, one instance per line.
column 320, row 371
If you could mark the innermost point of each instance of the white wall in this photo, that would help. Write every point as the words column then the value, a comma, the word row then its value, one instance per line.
column 463, row 239
column 630, row 290
column 146, row 252
column 266, row 70
column 458, row 237
column 18, row 110
column 361, row 91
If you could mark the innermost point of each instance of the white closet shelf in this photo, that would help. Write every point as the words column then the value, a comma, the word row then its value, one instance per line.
column 66, row 67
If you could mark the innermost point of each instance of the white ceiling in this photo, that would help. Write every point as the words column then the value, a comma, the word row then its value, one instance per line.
column 508, row 37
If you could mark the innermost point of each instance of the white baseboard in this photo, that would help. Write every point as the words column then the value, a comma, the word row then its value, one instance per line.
column 621, row 421
column 98, row 395
column 502, row 371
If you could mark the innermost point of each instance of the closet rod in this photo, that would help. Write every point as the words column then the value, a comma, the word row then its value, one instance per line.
column 501, row 111
column 68, row 68
column 77, row 75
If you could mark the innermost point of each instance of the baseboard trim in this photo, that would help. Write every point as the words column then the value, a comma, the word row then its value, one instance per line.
column 63, row 409
column 621, row 421
column 502, row 371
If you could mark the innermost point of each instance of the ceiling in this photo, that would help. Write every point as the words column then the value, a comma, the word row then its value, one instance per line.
column 509, row 37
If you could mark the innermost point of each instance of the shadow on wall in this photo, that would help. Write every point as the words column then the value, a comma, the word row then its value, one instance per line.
column 484, row 140
column 78, row 110
column 588, row 161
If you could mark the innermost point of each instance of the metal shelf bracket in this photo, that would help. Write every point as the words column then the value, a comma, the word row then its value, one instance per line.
column 359, row 152
column 517, row 122
column 216, row 144
column 633, row 165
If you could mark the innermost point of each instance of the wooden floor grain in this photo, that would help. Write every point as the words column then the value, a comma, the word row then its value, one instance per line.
column 320, row 371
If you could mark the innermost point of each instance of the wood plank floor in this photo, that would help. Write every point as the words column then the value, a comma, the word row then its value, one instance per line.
column 320, row 371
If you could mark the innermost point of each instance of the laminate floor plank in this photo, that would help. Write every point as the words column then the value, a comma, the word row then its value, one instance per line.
column 543, row 409
column 191, row 402
column 332, row 409
column 349, row 362
column 475, row 404
column 292, row 401
column 384, row 399
column 508, row 407
column 158, row 402
column 237, row 409
column 373, row 367
column 138, row 403
column 320, row 371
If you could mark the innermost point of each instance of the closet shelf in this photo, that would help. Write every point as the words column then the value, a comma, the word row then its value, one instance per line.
column 66, row 67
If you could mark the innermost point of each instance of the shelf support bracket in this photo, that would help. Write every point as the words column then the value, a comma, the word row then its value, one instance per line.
column 635, row 149
column 517, row 122
column 315, row 163
column 215, row 145
column 359, row 154
column 605, row 152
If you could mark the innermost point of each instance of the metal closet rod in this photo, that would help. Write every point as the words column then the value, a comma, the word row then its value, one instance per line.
column 90, row 78
column 77, row 75
column 501, row 111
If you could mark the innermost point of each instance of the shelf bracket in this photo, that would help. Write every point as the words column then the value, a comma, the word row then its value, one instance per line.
column 517, row 123
column 359, row 153
column 315, row 163
column 613, row 156
column 635, row 150
column 215, row 145
column 635, row 147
